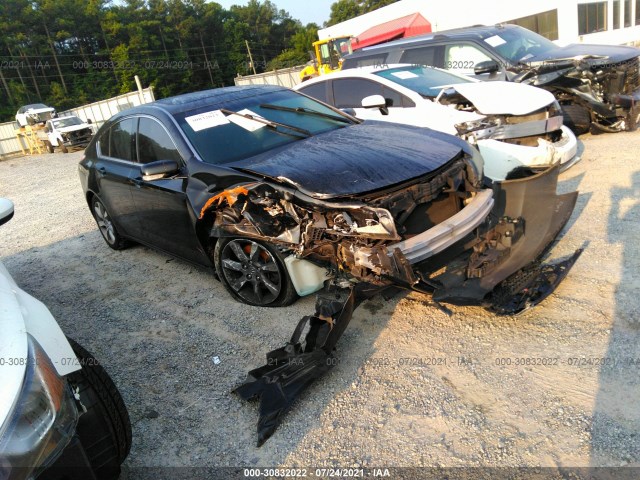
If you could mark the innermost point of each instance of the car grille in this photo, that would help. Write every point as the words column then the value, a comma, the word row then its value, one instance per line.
column 624, row 78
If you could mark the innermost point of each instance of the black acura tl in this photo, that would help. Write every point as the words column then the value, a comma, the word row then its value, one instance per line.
column 282, row 194
column 287, row 196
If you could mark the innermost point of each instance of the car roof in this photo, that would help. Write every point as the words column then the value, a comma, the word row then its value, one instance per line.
column 477, row 32
column 364, row 72
column 189, row 101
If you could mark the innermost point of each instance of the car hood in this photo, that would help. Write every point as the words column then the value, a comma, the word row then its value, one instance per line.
column 504, row 98
column 72, row 128
column 13, row 343
column 594, row 54
column 33, row 111
column 356, row 159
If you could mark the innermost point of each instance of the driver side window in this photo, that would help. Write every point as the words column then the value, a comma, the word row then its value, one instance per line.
column 154, row 143
column 463, row 58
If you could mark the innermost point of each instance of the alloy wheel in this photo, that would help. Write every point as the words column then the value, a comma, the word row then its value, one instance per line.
column 251, row 271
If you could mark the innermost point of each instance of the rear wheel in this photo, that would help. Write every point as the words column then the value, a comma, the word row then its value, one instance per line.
column 104, row 428
column 577, row 118
column 64, row 149
column 106, row 226
column 253, row 272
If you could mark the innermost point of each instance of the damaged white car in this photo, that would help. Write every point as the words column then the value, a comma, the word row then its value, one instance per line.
column 513, row 125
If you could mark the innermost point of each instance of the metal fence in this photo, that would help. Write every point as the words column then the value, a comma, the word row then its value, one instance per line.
column 285, row 77
column 98, row 113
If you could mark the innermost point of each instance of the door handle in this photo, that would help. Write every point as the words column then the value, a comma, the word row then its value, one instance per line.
column 102, row 171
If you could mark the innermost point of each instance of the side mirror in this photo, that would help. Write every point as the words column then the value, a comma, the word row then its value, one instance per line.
column 89, row 121
column 488, row 66
column 159, row 169
column 6, row 210
column 376, row 101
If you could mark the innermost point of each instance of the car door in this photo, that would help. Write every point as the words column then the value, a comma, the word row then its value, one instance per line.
column 113, row 168
column 348, row 93
column 167, row 220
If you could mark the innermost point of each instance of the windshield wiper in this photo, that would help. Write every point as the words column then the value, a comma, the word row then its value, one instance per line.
column 272, row 124
column 308, row 111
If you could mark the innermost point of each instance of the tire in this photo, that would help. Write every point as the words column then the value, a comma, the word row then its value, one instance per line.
column 106, row 226
column 104, row 428
column 64, row 149
column 253, row 272
column 577, row 118
column 49, row 147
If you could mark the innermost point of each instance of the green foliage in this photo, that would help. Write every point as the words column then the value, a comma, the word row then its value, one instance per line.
column 70, row 52
column 343, row 10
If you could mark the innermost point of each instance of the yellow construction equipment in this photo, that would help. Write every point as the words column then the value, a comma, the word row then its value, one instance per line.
column 29, row 137
column 328, row 56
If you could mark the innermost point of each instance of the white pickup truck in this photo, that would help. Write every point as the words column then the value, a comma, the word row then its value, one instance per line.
column 60, row 414
column 66, row 132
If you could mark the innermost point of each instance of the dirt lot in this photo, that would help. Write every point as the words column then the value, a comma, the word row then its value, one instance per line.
column 558, row 386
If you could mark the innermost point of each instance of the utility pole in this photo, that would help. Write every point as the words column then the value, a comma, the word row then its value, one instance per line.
column 206, row 60
column 6, row 87
column 250, row 57
column 55, row 57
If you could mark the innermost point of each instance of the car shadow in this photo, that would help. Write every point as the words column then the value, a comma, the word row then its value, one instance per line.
column 615, row 438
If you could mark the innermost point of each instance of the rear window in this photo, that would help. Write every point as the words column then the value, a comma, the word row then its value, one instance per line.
column 317, row 91
column 365, row 61
column 421, row 56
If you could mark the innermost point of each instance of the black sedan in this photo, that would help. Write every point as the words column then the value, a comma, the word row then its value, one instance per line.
column 284, row 195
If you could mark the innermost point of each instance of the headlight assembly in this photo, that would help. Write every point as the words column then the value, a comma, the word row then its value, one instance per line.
column 42, row 421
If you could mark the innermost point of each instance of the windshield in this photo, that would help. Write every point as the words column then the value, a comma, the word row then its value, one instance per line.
column 519, row 44
column 220, row 137
column 427, row 81
column 66, row 122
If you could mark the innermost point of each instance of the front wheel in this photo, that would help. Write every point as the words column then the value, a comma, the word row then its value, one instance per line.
column 577, row 118
column 106, row 226
column 253, row 272
column 104, row 427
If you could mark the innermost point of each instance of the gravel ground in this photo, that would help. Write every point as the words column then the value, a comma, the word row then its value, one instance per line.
column 414, row 386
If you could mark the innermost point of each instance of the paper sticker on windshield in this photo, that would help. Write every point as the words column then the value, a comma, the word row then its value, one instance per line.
column 206, row 120
column 404, row 75
column 247, row 123
column 495, row 41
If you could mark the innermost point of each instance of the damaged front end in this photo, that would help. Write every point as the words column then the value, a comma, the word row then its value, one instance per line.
column 609, row 88
column 533, row 136
column 444, row 234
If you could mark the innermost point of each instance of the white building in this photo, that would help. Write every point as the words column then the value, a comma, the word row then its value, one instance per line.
column 565, row 21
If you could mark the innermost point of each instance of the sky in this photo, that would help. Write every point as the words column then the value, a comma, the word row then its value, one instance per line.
column 316, row 11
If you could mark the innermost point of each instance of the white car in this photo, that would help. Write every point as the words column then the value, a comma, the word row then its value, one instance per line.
column 66, row 132
column 34, row 113
column 513, row 125
column 60, row 413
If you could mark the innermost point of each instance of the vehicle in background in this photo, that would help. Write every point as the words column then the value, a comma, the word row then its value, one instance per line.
column 328, row 57
column 34, row 114
column 596, row 85
column 66, row 132
column 61, row 416
column 512, row 125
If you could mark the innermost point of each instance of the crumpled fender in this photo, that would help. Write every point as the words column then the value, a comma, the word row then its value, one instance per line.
column 540, row 214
